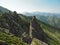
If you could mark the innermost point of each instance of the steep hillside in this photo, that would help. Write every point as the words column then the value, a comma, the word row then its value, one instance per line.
column 53, row 34
column 53, row 20
column 17, row 29
column 19, row 25
column 15, row 25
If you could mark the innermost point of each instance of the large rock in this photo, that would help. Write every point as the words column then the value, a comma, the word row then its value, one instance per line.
column 36, row 31
column 3, row 43
column 38, row 42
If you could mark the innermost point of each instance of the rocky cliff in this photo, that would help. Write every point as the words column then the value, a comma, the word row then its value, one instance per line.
column 21, row 28
column 36, row 31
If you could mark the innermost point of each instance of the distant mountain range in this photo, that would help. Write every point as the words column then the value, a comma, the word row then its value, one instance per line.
column 2, row 9
column 40, row 13
column 52, row 19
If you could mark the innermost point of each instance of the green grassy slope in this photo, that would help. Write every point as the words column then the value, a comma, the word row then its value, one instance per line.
column 53, row 34
column 10, row 39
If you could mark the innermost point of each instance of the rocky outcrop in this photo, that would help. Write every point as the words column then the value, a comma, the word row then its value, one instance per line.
column 36, row 31
column 38, row 42
column 3, row 43
column 16, row 26
column 14, row 23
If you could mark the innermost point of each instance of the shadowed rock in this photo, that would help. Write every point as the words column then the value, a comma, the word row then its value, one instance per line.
column 3, row 43
column 36, row 31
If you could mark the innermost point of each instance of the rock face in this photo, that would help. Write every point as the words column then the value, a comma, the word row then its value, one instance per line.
column 38, row 42
column 3, row 43
column 14, row 23
column 36, row 31
column 17, row 26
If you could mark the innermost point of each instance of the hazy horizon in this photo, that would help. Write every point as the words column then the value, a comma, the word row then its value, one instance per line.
column 51, row 6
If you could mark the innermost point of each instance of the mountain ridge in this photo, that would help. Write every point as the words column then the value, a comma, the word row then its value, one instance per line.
column 27, row 30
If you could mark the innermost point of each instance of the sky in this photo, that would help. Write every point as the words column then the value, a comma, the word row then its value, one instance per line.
column 52, row 6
